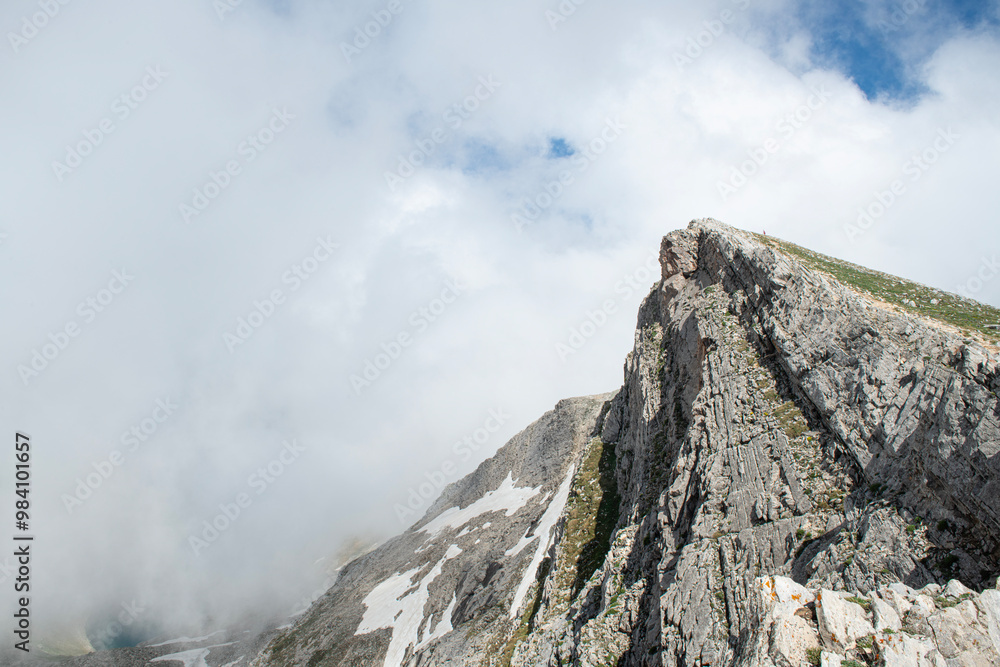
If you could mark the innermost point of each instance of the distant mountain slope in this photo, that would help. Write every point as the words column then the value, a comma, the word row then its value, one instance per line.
column 466, row 564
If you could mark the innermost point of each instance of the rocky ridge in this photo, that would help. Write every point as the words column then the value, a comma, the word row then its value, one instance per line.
column 789, row 463
column 775, row 422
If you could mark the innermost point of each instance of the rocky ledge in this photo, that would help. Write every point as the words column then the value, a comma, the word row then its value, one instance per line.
column 894, row 626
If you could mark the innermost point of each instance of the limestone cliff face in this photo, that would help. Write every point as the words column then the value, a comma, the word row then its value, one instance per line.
column 793, row 472
column 776, row 422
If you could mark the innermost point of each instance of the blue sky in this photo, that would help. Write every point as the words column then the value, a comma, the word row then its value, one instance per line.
column 558, row 147
column 883, row 46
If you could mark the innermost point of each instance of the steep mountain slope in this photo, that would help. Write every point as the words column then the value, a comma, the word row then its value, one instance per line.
column 775, row 426
column 776, row 422
column 800, row 469
column 780, row 437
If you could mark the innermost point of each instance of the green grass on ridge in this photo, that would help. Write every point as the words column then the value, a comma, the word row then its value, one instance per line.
column 943, row 306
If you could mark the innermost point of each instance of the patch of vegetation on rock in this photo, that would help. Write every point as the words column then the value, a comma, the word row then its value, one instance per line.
column 914, row 297
column 593, row 512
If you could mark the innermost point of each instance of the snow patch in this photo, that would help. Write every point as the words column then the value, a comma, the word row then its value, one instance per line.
column 186, row 640
column 508, row 497
column 193, row 658
column 388, row 606
column 443, row 625
column 543, row 533
column 525, row 539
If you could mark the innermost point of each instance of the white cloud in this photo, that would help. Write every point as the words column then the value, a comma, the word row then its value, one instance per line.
column 324, row 175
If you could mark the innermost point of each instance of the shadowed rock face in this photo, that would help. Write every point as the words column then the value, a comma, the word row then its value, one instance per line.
column 793, row 472
column 776, row 422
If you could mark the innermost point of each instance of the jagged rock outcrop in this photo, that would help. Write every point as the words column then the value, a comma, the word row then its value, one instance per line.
column 789, row 468
column 776, row 422
column 795, row 472
column 894, row 626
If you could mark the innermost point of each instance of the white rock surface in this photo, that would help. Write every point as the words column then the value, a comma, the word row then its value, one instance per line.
column 956, row 588
column 902, row 650
column 841, row 623
column 885, row 616
column 989, row 604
